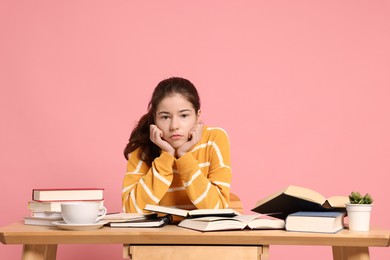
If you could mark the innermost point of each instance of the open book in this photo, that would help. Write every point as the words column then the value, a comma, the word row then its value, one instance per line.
column 257, row 221
column 191, row 213
column 295, row 198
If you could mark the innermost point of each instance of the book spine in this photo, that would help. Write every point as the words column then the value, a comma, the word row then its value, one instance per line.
column 167, row 219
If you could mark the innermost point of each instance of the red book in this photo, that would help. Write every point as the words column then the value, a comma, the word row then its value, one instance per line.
column 67, row 194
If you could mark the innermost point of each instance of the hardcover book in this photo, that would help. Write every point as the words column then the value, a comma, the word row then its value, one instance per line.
column 52, row 206
column 295, row 198
column 322, row 222
column 67, row 194
column 41, row 221
column 46, row 214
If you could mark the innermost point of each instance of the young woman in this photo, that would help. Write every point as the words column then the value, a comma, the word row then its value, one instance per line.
column 173, row 160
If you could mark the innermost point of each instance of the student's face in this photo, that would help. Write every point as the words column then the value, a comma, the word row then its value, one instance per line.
column 176, row 117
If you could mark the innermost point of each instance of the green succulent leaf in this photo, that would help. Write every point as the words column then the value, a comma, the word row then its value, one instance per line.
column 357, row 198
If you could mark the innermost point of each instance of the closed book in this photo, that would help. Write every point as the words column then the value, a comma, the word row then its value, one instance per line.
column 53, row 206
column 46, row 214
column 320, row 222
column 66, row 194
column 40, row 221
column 296, row 198
column 256, row 221
column 190, row 213
column 143, row 223
column 126, row 217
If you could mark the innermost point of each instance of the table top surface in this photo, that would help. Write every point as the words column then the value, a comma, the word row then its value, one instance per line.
column 19, row 233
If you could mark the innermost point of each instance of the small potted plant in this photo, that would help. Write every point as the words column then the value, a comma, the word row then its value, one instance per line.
column 359, row 211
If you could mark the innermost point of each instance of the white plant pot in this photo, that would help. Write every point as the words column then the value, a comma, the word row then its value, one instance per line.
column 359, row 216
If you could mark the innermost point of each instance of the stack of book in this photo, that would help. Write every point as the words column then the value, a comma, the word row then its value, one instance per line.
column 45, row 204
column 305, row 210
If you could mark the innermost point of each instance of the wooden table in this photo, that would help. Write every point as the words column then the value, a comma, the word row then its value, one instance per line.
column 41, row 242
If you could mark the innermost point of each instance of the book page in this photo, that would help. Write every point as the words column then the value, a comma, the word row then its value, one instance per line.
column 306, row 194
column 338, row 201
column 191, row 213
column 240, row 218
column 212, row 212
column 266, row 222
column 297, row 192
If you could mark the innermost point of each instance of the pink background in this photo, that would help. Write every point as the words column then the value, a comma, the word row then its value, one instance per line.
column 302, row 87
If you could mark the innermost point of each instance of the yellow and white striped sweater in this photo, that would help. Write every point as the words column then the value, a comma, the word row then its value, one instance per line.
column 199, row 179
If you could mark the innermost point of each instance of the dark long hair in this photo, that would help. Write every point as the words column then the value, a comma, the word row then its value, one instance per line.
column 139, row 137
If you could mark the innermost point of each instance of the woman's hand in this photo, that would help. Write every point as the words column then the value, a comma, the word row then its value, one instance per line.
column 156, row 137
column 193, row 137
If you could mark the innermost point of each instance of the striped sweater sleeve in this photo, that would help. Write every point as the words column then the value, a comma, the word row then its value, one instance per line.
column 143, row 185
column 210, row 190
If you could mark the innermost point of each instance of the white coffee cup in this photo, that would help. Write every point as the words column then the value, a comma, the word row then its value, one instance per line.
column 82, row 212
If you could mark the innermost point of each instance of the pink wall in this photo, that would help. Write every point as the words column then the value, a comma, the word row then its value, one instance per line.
column 302, row 87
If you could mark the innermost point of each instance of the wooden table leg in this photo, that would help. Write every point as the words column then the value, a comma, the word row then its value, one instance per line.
column 39, row 252
column 264, row 252
column 350, row 253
